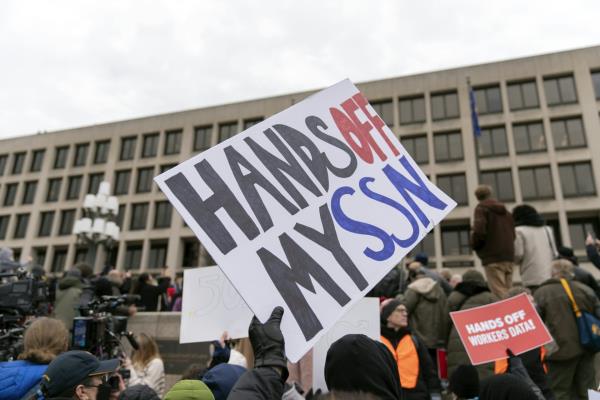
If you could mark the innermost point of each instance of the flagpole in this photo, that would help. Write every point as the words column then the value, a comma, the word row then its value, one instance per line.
column 475, row 126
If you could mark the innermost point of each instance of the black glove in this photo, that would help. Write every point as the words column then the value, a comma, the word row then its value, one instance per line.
column 267, row 342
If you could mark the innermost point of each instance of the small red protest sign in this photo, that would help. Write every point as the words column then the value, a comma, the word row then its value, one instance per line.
column 488, row 331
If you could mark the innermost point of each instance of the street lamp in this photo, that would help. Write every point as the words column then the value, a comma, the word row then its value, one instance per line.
column 98, row 226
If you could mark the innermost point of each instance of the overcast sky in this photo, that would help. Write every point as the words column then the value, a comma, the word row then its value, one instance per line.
column 73, row 63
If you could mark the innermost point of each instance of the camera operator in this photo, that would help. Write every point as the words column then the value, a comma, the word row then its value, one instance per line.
column 110, row 285
column 44, row 339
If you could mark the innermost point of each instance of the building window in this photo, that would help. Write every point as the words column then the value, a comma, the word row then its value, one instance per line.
column 454, row 186
column 488, row 99
column 139, row 216
column 39, row 256
column 536, row 183
column 568, row 133
column 492, row 142
column 416, row 146
column 121, row 215
column 522, row 95
column 191, row 253
column 173, row 142
column 74, row 187
column 122, row 182
column 412, row 110
column 162, row 214
column 455, row 240
column 59, row 260
column 53, row 189
column 29, row 192
column 67, row 219
column 202, row 137
column 579, row 229
column 133, row 256
column 21, row 226
column 596, row 82
column 18, row 162
column 166, row 167
column 385, row 109
column 81, row 254
column 577, row 179
column 101, row 152
column 150, row 145
column 427, row 246
column 81, row 153
column 448, row 146
column 46, row 222
column 444, row 106
column 144, row 180
column 128, row 148
column 94, row 181
column 3, row 161
column 529, row 137
column 227, row 130
column 60, row 157
column 158, row 255
column 501, row 183
column 10, row 194
column 249, row 123
column 560, row 90
column 37, row 160
column 4, row 220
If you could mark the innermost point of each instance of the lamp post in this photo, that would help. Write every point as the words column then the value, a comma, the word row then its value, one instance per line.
column 98, row 226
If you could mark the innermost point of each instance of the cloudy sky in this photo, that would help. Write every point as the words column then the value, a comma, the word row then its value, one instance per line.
column 72, row 63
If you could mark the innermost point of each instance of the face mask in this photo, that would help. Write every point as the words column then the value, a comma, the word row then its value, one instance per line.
column 104, row 392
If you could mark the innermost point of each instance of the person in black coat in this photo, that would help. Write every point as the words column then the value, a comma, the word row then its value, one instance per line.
column 150, row 293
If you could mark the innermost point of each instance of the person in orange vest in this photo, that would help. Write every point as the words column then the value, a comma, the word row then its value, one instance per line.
column 418, row 378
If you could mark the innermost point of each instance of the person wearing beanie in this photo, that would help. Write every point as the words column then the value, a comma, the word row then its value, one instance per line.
column 416, row 371
column 464, row 383
column 189, row 389
column 221, row 379
column 579, row 274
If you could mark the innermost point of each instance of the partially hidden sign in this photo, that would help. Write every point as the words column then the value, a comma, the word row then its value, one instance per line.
column 488, row 331
column 308, row 209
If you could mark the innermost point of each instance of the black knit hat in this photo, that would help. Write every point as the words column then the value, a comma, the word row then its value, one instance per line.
column 388, row 308
column 464, row 382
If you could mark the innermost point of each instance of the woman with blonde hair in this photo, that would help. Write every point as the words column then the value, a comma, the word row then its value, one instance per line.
column 146, row 366
column 44, row 339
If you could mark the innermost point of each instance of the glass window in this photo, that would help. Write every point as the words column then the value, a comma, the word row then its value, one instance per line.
column 144, row 180
column 162, row 214
column 522, row 95
column 412, row 110
column 29, row 192
column 37, row 160
column 121, row 215
column 501, row 183
column 173, row 142
column 158, row 255
column 60, row 157
column 101, row 151
column 536, row 183
column 18, row 162
column 94, row 182
column 39, row 256
column 448, row 146
column 67, row 220
column 444, row 105
column 191, row 253
column 150, row 145
column 454, row 186
column 3, row 161
column 568, row 133
column 21, row 226
column 46, row 222
column 202, row 137
column 227, row 130
column 10, row 193
column 122, row 182
column 488, row 100
column 577, row 179
column 133, row 256
column 529, row 137
column 248, row 123
column 139, row 216
column 4, row 220
column 579, row 229
column 74, row 187
column 81, row 254
column 385, row 110
column 128, row 148
column 596, row 82
column 81, row 152
column 416, row 146
column 560, row 90
column 492, row 142
column 53, row 189
column 59, row 260
column 455, row 240
column 427, row 246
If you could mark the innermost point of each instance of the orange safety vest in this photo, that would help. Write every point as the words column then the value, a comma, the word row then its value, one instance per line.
column 501, row 366
column 407, row 358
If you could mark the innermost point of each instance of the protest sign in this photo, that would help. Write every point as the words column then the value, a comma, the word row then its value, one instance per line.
column 593, row 395
column 488, row 331
column 308, row 209
column 362, row 318
column 210, row 307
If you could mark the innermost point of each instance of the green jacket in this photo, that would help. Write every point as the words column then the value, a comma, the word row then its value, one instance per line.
column 556, row 311
column 189, row 389
column 427, row 308
column 67, row 300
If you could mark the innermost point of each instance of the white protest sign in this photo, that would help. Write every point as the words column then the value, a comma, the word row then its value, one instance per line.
column 210, row 307
column 308, row 209
column 593, row 395
column 362, row 318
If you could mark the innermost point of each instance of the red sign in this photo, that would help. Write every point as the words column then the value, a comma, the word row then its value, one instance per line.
column 487, row 331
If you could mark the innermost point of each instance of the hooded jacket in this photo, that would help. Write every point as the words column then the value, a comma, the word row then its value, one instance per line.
column 493, row 232
column 67, row 300
column 18, row 377
column 189, row 389
column 222, row 378
column 427, row 308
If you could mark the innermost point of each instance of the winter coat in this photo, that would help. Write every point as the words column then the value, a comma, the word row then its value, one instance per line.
column 68, row 297
column 465, row 296
column 18, row 377
column 535, row 249
column 152, row 375
column 493, row 232
column 593, row 255
column 222, row 378
column 427, row 308
column 189, row 389
column 555, row 309
column 505, row 387
column 150, row 296
column 261, row 383
column 583, row 276
column 138, row 392
column 389, row 286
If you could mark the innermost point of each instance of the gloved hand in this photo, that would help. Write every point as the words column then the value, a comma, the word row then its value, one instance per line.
column 267, row 342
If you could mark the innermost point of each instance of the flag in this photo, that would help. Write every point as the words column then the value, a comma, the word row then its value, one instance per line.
column 474, row 115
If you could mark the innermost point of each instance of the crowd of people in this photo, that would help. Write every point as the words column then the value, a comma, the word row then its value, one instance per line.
column 418, row 356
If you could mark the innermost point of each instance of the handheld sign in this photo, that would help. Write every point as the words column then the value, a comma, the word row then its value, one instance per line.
column 308, row 209
column 488, row 331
